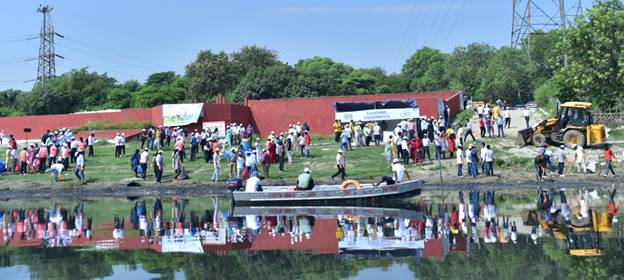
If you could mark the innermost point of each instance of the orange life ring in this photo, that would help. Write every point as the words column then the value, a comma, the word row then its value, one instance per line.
column 347, row 183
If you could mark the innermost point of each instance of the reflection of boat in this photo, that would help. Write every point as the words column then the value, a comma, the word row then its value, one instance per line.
column 331, row 211
column 327, row 194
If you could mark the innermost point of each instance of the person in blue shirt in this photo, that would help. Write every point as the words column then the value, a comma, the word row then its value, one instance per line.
column 194, row 144
column 474, row 158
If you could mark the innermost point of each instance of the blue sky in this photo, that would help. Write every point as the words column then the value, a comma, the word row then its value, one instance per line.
column 133, row 38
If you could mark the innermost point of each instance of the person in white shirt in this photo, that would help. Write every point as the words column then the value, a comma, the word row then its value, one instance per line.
column 56, row 170
column 507, row 116
column 90, row 143
column 216, row 163
column 398, row 171
column 240, row 165
column 397, row 130
column 253, row 183
column 143, row 159
column 460, row 162
column 80, row 163
column 405, row 150
column 579, row 159
column 480, row 111
column 340, row 165
column 426, row 142
column 489, row 161
column 527, row 115
column 377, row 134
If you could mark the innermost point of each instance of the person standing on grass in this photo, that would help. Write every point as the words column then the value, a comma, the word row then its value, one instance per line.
column 82, row 146
column 80, row 165
column 548, row 157
column 65, row 155
column 265, row 160
column 52, row 154
column 240, row 165
column 501, row 127
column 14, row 159
column 117, row 140
column 405, row 150
column 344, row 139
column 482, row 126
column 280, row 151
column 340, row 165
column 73, row 145
column 194, row 144
column 561, row 158
column 232, row 162
column 377, row 134
column 23, row 156
column 388, row 150
column 337, row 130
column 527, row 115
column 90, row 143
column 143, row 160
column 609, row 156
column 474, row 159
column 159, row 166
column 176, row 163
column 489, row 161
column 179, row 145
column 507, row 116
column 134, row 162
column 43, row 157
column 306, row 142
column 460, row 162
column 216, row 164
column 426, row 142
column 143, row 137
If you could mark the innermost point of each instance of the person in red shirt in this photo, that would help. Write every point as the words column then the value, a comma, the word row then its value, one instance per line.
column 609, row 156
column 613, row 209
column 43, row 157
column 306, row 143
column 23, row 161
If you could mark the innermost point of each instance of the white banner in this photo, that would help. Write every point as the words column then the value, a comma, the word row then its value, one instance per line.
column 181, row 114
column 210, row 126
column 185, row 244
column 378, row 115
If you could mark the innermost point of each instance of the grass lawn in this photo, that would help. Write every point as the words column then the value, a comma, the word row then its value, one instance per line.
column 362, row 163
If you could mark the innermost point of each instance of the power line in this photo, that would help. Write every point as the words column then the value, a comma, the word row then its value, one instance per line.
column 109, row 59
column 82, row 64
column 116, row 53
column 18, row 39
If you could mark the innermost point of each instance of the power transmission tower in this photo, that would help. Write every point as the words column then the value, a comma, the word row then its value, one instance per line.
column 46, row 68
column 531, row 17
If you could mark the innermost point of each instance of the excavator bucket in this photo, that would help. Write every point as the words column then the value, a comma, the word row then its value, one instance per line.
column 524, row 136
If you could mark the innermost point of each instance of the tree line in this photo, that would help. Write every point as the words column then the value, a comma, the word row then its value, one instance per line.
column 584, row 62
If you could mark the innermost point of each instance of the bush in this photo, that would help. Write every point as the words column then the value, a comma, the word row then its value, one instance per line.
column 95, row 125
column 545, row 96
column 463, row 116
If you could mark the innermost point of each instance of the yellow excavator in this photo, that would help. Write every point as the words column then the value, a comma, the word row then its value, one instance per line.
column 573, row 125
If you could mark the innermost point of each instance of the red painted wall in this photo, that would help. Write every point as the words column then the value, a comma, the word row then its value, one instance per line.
column 265, row 115
column 39, row 124
column 276, row 114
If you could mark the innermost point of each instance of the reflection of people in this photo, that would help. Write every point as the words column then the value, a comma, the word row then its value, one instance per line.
column 305, row 181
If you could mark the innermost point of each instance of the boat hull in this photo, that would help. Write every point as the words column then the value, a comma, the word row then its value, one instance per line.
column 328, row 195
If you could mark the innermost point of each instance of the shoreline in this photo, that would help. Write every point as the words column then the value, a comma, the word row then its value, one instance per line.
column 198, row 189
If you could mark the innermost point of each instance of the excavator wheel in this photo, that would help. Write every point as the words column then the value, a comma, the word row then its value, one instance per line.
column 539, row 140
column 572, row 138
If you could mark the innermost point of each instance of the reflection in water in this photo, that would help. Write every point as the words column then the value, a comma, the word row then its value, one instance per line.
column 561, row 224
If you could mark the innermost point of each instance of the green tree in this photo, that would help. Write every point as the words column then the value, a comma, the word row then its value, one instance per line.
column 263, row 83
column 595, row 54
column 209, row 75
column 163, row 92
column 359, row 82
column 466, row 66
column 320, row 76
column 426, row 70
column 508, row 76
column 250, row 57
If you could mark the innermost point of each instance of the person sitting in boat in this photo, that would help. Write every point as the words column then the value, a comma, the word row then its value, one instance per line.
column 398, row 172
column 253, row 183
column 305, row 181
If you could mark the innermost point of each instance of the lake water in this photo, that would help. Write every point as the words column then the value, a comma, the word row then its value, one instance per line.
column 509, row 236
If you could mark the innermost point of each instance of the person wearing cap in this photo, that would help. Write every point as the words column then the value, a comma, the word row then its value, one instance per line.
column 305, row 181
column 56, row 169
column 561, row 158
column 398, row 171
column 143, row 160
column 159, row 166
column 73, row 146
column 340, row 165
column 194, row 146
column 253, row 183
column 43, row 157
column 216, row 163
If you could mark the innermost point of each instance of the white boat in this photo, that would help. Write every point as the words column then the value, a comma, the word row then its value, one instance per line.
column 327, row 194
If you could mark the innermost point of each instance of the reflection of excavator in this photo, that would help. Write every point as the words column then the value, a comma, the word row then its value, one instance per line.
column 574, row 125
column 584, row 237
